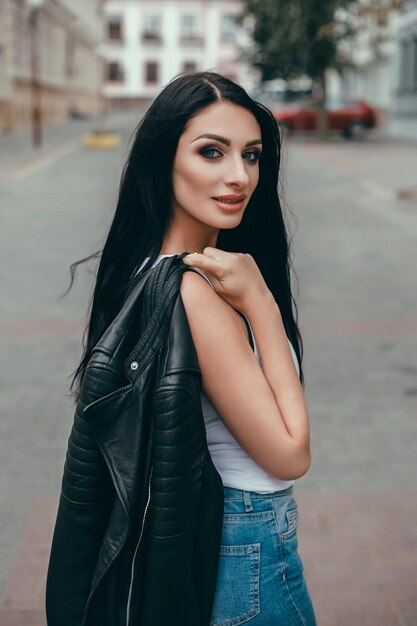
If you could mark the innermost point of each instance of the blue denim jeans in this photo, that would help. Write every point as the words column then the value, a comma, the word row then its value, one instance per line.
column 260, row 580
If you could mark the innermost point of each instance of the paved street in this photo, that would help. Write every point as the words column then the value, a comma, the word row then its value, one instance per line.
column 353, row 209
column 356, row 260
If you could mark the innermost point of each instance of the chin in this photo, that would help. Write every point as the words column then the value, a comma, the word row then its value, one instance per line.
column 228, row 221
column 231, row 222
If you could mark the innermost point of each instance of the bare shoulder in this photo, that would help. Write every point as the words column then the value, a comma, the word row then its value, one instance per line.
column 201, row 301
column 194, row 284
column 215, row 327
column 192, row 277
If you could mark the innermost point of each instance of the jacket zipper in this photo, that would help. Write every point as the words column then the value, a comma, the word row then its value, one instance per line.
column 132, row 571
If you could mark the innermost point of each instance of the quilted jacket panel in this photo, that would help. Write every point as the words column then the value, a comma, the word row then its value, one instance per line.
column 137, row 535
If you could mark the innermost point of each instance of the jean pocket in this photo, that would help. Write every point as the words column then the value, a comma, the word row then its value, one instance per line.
column 237, row 593
column 291, row 523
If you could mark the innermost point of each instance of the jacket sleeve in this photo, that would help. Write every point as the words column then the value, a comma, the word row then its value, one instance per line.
column 82, row 516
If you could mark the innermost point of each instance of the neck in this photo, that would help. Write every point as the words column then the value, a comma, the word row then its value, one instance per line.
column 179, row 240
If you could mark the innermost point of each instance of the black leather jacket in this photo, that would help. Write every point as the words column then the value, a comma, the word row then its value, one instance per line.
column 138, row 529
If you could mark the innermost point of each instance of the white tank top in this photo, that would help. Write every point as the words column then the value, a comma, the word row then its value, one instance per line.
column 236, row 468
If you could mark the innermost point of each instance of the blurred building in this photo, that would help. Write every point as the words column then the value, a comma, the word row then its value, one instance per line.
column 406, row 67
column 149, row 42
column 54, row 48
column 373, row 56
column 383, row 55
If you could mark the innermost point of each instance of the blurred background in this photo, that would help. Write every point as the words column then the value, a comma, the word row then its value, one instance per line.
column 76, row 76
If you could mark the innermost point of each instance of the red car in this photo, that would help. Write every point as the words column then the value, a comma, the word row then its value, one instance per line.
column 349, row 117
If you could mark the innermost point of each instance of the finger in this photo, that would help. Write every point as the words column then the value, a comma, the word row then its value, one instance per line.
column 189, row 257
column 204, row 262
column 213, row 253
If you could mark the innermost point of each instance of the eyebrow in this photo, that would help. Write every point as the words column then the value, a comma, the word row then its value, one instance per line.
column 226, row 142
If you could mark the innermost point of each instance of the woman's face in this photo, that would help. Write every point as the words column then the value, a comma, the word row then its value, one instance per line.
column 216, row 166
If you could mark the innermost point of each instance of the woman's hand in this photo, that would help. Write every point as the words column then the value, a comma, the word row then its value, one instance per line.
column 235, row 276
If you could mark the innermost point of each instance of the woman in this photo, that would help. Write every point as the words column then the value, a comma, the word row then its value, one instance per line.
column 202, row 177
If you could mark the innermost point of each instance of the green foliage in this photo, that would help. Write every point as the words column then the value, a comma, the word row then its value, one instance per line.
column 296, row 37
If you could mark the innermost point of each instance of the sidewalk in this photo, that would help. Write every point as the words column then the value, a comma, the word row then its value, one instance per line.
column 17, row 153
column 402, row 128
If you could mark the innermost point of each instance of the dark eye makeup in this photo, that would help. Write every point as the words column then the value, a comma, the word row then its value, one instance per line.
column 253, row 155
column 212, row 152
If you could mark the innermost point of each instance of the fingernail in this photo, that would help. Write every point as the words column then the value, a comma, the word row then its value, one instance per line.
column 187, row 257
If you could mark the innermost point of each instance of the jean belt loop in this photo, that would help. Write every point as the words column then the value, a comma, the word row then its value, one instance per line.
column 248, row 502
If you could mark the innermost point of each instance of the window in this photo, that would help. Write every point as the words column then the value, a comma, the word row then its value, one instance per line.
column 20, row 27
column 405, row 64
column 151, row 72
column 114, row 28
column 228, row 28
column 70, row 56
column 415, row 64
column 189, row 27
column 189, row 67
column 152, row 28
column 115, row 72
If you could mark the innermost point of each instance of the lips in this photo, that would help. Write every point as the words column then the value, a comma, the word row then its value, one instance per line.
column 231, row 203
column 230, row 199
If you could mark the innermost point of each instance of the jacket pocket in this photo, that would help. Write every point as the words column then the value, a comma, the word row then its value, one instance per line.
column 237, row 594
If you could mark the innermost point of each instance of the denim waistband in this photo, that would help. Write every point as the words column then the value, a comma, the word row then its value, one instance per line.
column 240, row 494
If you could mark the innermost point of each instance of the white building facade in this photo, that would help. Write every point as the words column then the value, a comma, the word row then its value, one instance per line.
column 373, row 54
column 406, row 66
column 384, row 58
column 68, row 65
column 149, row 42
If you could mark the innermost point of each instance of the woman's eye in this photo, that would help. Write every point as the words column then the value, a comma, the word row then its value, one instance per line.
column 210, row 153
column 252, row 156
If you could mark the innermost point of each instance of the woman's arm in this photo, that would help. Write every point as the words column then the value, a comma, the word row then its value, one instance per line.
column 264, row 408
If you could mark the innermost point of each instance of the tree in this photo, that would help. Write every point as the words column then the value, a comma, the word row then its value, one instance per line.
column 299, row 37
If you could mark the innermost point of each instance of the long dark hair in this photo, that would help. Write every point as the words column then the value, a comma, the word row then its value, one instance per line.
column 144, row 207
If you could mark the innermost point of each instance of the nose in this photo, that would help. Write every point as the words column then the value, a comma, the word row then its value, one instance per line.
column 236, row 174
